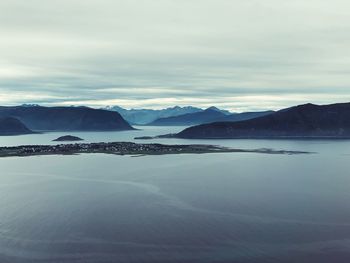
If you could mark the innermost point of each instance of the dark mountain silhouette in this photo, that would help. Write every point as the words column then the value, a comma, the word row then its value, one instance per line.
column 226, row 112
column 209, row 115
column 206, row 116
column 12, row 126
column 300, row 121
column 66, row 118
column 245, row 116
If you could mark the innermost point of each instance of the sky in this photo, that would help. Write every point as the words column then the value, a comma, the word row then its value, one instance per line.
column 239, row 55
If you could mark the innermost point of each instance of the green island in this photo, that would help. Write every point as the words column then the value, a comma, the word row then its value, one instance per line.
column 127, row 148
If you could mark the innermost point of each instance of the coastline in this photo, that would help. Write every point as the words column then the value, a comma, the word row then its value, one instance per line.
column 128, row 148
column 175, row 136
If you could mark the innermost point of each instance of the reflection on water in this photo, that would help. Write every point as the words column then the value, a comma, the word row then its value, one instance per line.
column 177, row 208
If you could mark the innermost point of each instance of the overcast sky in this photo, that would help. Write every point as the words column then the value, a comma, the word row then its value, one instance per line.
column 235, row 54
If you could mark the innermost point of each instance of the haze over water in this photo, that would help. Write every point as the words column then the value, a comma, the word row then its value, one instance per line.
column 152, row 57
column 177, row 208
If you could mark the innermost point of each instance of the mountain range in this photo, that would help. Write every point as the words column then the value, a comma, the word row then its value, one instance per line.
column 209, row 115
column 307, row 121
column 145, row 116
column 149, row 116
column 38, row 118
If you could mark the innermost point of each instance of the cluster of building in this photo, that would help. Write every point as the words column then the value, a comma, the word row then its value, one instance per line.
column 113, row 147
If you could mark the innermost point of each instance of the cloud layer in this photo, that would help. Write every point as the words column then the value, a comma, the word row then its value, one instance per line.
column 240, row 55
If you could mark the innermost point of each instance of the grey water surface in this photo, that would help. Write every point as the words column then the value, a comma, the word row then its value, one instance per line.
column 236, row 207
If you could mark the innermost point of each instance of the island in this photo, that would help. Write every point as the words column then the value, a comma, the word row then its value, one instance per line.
column 127, row 148
column 145, row 138
column 68, row 138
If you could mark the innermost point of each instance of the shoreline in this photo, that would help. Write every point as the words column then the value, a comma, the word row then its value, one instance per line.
column 128, row 148
column 174, row 136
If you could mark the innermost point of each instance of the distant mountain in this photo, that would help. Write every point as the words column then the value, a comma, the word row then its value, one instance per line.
column 211, row 114
column 66, row 118
column 12, row 126
column 245, row 116
column 226, row 112
column 30, row 105
column 300, row 121
column 144, row 116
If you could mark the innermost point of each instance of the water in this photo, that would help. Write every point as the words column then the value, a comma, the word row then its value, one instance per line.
column 236, row 207
column 47, row 138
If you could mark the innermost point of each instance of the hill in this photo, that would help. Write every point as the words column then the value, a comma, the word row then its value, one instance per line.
column 307, row 121
column 12, row 126
column 245, row 116
column 206, row 116
column 66, row 118
column 211, row 114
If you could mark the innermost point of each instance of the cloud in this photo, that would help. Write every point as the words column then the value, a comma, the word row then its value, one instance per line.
column 156, row 53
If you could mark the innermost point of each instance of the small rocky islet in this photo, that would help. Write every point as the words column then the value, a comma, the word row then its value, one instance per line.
column 68, row 138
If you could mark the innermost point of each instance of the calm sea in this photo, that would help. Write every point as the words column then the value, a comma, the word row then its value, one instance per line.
column 237, row 207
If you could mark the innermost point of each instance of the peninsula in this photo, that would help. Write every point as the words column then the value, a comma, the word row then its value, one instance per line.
column 126, row 148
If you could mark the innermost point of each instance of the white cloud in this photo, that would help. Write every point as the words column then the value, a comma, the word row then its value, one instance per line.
column 157, row 53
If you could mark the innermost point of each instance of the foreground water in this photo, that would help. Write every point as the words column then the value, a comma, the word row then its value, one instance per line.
column 176, row 208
